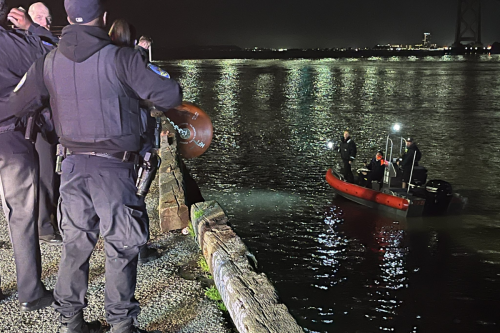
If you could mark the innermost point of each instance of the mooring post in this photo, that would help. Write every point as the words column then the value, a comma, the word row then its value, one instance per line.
column 174, row 213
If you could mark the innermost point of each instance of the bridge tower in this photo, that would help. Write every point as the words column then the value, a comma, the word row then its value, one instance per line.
column 468, row 22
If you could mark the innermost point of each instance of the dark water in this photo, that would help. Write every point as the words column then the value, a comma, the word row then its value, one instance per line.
column 338, row 266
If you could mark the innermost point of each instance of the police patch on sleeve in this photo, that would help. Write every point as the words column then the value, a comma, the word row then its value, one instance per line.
column 21, row 83
column 158, row 71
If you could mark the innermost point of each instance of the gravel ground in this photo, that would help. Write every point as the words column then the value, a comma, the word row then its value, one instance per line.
column 169, row 302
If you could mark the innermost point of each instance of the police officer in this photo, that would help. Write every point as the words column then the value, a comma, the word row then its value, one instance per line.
column 410, row 158
column 348, row 154
column 94, row 89
column 36, row 24
column 143, row 46
column 48, row 191
column 18, row 161
column 40, row 14
column 48, row 194
column 123, row 34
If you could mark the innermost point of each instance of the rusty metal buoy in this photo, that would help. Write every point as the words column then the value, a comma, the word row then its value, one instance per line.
column 194, row 127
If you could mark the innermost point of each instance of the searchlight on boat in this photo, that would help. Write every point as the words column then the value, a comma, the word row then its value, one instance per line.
column 396, row 127
column 330, row 145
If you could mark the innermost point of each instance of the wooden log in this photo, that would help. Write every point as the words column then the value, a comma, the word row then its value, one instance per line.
column 249, row 296
column 174, row 213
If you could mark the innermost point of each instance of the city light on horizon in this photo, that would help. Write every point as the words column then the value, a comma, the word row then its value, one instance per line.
column 273, row 25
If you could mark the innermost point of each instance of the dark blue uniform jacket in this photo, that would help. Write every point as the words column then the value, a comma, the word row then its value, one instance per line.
column 78, row 43
column 413, row 152
column 18, row 51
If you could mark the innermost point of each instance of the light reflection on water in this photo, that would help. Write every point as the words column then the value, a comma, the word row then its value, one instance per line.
column 338, row 266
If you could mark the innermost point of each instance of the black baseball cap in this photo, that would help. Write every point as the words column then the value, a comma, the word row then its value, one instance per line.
column 409, row 140
column 83, row 11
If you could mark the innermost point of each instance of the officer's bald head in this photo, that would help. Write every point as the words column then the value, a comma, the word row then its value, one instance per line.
column 40, row 14
column 3, row 12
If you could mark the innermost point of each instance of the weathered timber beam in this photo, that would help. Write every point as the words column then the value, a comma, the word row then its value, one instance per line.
column 174, row 213
column 249, row 296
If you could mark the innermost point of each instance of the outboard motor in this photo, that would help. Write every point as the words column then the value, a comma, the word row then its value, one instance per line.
column 419, row 176
column 439, row 194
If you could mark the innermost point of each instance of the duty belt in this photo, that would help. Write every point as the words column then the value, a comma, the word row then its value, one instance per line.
column 125, row 156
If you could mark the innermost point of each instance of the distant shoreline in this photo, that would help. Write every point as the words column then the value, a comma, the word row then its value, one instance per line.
column 187, row 53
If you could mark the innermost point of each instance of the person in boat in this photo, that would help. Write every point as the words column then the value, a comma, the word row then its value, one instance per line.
column 348, row 154
column 376, row 170
column 410, row 158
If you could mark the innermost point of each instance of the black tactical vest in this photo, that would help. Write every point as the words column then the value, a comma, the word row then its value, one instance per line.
column 88, row 101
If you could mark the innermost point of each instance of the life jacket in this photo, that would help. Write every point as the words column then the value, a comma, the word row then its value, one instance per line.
column 381, row 159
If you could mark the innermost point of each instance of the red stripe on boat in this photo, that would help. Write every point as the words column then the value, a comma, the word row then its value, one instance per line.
column 366, row 193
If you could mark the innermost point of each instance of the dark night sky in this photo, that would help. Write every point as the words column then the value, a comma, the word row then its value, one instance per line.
column 292, row 23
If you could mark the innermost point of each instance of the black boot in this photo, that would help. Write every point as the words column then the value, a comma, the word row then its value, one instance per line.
column 51, row 239
column 127, row 326
column 147, row 254
column 46, row 300
column 77, row 324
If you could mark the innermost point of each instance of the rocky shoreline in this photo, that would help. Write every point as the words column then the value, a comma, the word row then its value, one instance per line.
column 169, row 289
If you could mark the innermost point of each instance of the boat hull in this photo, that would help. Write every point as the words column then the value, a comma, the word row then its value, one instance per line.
column 393, row 204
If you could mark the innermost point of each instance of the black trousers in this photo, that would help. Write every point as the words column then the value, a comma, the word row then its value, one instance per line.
column 19, row 191
column 48, row 194
column 373, row 177
column 348, row 172
column 97, row 196
column 406, row 174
